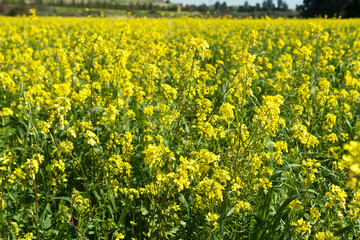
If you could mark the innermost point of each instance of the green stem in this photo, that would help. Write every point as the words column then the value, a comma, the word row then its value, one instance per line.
column 36, row 201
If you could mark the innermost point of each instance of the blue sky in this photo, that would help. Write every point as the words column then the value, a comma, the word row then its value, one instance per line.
column 291, row 3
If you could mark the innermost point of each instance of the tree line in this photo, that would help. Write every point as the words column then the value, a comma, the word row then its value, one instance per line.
column 267, row 5
column 330, row 8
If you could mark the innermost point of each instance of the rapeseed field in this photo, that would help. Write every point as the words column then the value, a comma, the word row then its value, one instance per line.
column 179, row 128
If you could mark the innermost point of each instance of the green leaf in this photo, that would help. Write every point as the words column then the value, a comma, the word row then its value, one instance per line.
column 230, row 211
column 214, row 237
column 277, row 217
column 62, row 198
column 62, row 232
column 7, row 131
column 43, row 214
column 183, row 201
column 173, row 231
column 278, row 173
column 269, row 144
column 47, row 223
column 96, row 195
column 183, row 223
column 144, row 211
column 224, row 214
column 98, row 108
column 112, row 199
column 111, row 211
column 125, row 210
column 305, row 190
column 72, row 231
column 344, row 230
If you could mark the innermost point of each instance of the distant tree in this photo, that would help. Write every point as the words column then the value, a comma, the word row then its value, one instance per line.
column 246, row 6
column 264, row 6
column 131, row 6
column 223, row 7
column 203, row 8
column 285, row 6
column 280, row 4
column 269, row 5
column 89, row 4
column 217, row 5
column 352, row 9
column 98, row 4
column 346, row 8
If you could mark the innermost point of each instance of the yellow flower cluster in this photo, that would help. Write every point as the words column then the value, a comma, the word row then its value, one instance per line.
column 353, row 161
column 302, row 227
column 337, row 196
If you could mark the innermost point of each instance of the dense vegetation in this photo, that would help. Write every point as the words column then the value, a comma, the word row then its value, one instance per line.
column 330, row 8
column 179, row 128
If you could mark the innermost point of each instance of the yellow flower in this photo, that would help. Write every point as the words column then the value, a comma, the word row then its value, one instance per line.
column 296, row 205
column 6, row 112
column 91, row 138
column 325, row 236
column 353, row 161
column 32, row 12
column 212, row 219
column 330, row 120
column 337, row 196
column 227, row 111
column 119, row 236
column 302, row 226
